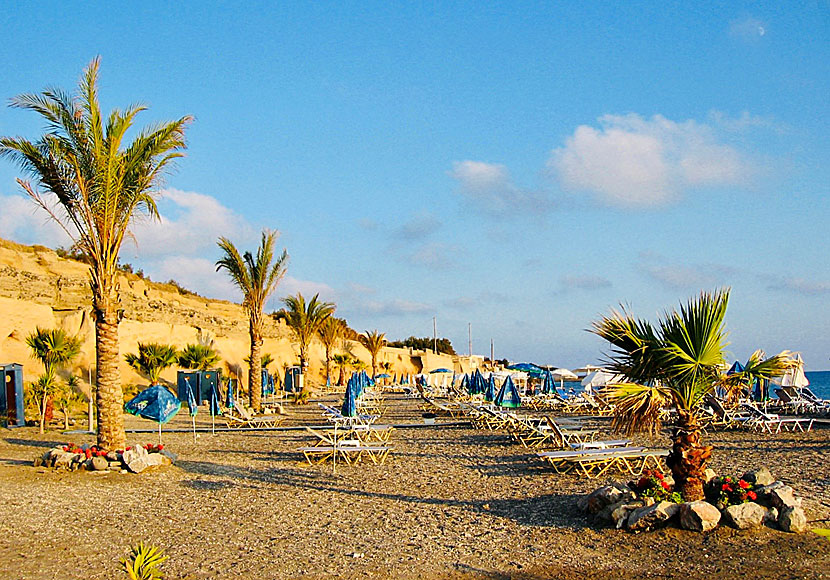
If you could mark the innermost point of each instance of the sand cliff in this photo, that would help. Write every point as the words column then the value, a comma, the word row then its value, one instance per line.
column 39, row 288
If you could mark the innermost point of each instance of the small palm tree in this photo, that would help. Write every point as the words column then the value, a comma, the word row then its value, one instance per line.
column 266, row 360
column 304, row 320
column 66, row 395
column 199, row 357
column 100, row 184
column 55, row 349
column 331, row 332
column 678, row 361
column 257, row 277
column 342, row 361
column 152, row 359
column 374, row 342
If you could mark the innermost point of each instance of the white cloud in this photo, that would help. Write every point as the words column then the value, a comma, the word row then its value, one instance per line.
column 308, row 288
column 191, row 223
column 800, row 286
column 435, row 256
column 23, row 221
column 584, row 282
column 748, row 29
column 418, row 227
column 633, row 161
column 685, row 276
column 490, row 189
column 395, row 307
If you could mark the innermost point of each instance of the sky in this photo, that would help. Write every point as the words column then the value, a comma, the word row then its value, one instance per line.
column 518, row 167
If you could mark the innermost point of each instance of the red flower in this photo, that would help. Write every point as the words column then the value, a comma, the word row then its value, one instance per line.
column 743, row 484
column 161, row 447
column 752, row 495
column 728, row 479
column 665, row 485
column 658, row 475
column 726, row 487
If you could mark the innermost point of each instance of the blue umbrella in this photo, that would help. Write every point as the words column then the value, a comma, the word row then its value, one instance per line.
column 349, row 408
column 441, row 370
column 490, row 390
column 229, row 397
column 465, row 384
column 736, row 368
column 508, row 395
column 192, row 407
column 155, row 403
column 383, row 376
column 548, row 383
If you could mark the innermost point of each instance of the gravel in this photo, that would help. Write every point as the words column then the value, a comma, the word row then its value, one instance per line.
column 450, row 502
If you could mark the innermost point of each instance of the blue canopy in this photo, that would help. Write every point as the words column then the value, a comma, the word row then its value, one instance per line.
column 441, row 370
column 155, row 403
column 465, row 384
column 736, row 368
column 479, row 384
column 383, row 376
column 349, row 408
column 191, row 400
column 529, row 368
column 214, row 400
column 508, row 395
column 490, row 390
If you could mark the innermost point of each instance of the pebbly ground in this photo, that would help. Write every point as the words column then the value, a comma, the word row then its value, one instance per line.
column 451, row 502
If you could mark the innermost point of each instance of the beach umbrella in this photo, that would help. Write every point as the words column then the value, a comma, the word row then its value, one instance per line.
column 548, row 383
column 465, row 384
column 155, row 403
column 349, row 408
column 598, row 378
column 490, row 390
column 508, row 395
column 383, row 376
column 213, row 407
column 192, row 406
column 441, row 370
column 736, row 368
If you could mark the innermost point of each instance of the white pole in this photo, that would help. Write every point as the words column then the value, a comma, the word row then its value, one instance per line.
column 334, row 456
column 89, row 406
column 159, row 432
column 434, row 336
column 193, row 419
column 470, row 339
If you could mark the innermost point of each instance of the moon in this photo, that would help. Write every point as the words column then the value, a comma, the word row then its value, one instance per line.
column 761, row 31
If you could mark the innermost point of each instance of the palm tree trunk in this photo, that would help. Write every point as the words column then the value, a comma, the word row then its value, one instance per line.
column 109, row 396
column 374, row 369
column 43, row 413
column 328, row 368
column 255, row 369
column 688, row 458
column 341, row 377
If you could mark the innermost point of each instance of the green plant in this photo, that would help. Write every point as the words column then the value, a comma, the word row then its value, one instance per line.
column 301, row 397
column 725, row 491
column 92, row 184
column 54, row 348
column 653, row 484
column 677, row 361
column 143, row 561
column 152, row 359
column 199, row 356
column 304, row 320
column 257, row 277
column 374, row 342
column 66, row 396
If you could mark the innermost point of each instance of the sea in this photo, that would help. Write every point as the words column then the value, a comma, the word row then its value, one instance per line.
column 819, row 383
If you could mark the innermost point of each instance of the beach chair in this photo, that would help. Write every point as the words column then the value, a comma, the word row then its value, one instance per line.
column 347, row 445
column 771, row 423
column 593, row 463
column 565, row 437
column 240, row 417
column 334, row 415
column 431, row 405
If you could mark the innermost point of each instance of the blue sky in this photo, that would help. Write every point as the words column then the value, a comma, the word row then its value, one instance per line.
column 521, row 167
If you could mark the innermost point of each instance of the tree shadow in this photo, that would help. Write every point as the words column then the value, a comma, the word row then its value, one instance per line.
column 34, row 442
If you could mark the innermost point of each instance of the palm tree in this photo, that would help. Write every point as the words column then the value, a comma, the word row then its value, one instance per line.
column 54, row 349
column 374, row 342
column 342, row 361
column 265, row 360
column 199, row 357
column 257, row 277
column 331, row 332
column 99, row 185
column 304, row 319
column 678, row 361
column 152, row 359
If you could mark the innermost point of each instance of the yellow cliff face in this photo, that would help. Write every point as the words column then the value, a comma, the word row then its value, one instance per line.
column 39, row 288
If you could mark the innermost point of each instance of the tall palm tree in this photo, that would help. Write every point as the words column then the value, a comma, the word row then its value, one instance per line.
column 331, row 332
column 304, row 320
column 257, row 277
column 678, row 361
column 100, row 183
column 55, row 349
column 152, row 359
column 199, row 357
column 374, row 342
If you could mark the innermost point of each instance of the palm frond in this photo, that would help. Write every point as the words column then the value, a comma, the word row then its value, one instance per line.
column 638, row 407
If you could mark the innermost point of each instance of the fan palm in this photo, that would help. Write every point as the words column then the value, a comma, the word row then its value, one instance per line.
column 342, row 361
column 677, row 361
column 304, row 320
column 374, row 342
column 152, row 359
column 99, row 185
column 199, row 357
column 331, row 332
column 257, row 277
column 55, row 349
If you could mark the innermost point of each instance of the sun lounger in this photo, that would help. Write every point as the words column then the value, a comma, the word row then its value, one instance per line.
column 242, row 418
column 593, row 463
column 771, row 423
column 335, row 416
column 347, row 446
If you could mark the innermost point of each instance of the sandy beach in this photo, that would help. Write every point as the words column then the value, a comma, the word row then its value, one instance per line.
column 451, row 502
